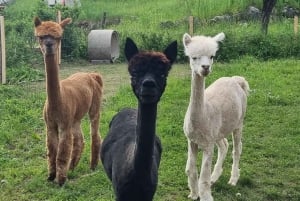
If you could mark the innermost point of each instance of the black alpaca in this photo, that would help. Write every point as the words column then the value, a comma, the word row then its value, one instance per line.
column 131, row 151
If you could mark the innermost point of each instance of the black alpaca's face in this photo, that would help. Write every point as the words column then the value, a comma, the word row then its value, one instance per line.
column 149, row 70
column 149, row 76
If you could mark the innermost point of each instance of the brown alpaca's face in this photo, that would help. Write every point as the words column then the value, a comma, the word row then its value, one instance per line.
column 48, row 44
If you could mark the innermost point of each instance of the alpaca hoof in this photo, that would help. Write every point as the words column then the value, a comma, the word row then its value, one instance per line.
column 215, row 176
column 234, row 178
column 93, row 165
column 72, row 165
column 207, row 198
column 61, row 181
column 51, row 177
column 213, row 180
column 193, row 196
column 232, row 182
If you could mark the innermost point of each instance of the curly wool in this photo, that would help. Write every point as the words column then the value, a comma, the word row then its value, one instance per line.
column 49, row 28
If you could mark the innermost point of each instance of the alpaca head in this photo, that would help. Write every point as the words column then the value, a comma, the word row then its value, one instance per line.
column 149, row 70
column 201, row 51
column 49, row 34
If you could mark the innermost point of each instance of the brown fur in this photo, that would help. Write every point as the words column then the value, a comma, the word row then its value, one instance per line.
column 67, row 103
column 50, row 28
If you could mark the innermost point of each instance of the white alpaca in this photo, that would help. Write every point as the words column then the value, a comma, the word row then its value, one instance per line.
column 212, row 114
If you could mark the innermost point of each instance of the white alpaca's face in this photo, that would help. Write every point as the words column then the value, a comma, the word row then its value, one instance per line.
column 201, row 65
column 201, row 51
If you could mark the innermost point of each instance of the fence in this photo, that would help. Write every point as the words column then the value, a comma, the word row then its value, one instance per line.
column 2, row 52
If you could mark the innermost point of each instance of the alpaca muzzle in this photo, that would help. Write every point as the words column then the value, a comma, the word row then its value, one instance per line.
column 149, row 91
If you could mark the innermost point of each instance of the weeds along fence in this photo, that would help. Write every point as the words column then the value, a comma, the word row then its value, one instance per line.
column 24, row 60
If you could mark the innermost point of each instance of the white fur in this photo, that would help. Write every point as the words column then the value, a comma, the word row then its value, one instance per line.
column 212, row 114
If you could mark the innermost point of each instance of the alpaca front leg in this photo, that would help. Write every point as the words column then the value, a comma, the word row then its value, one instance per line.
column 236, row 154
column 222, row 152
column 95, row 139
column 78, row 145
column 191, row 170
column 63, row 156
column 52, row 143
column 205, row 176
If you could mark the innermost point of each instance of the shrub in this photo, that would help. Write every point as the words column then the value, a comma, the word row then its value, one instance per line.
column 260, row 46
column 242, row 38
column 23, row 73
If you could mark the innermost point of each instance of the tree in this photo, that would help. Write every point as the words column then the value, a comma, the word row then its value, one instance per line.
column 268, row 6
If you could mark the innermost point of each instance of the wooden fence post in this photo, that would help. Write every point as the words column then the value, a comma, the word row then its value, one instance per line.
column 191, row 25
column 296, row 25
column 2, row 55
column 59, row 47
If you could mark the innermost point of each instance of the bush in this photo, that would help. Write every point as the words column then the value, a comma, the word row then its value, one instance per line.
column 260, row 46
column 20, row 40
column 23, row 73
column 240, row 40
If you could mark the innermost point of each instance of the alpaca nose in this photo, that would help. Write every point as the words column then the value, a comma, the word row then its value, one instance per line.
column 148, row 82
column 205, row 67
column 49, row 42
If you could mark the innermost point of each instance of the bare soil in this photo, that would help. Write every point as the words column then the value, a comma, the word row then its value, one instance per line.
column 114, row 75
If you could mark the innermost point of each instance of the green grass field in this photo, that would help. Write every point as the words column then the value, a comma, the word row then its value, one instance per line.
column 270, row 162
column 271, row 141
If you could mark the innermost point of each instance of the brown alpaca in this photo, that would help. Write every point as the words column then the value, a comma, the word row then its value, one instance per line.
column 67, row 103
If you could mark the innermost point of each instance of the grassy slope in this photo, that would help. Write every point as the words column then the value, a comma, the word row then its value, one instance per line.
column 270, row 159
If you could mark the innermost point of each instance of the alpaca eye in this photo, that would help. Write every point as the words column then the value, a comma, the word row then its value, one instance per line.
column 211, row 57
column 133, row 73
column 41, row 38
column 194, row 58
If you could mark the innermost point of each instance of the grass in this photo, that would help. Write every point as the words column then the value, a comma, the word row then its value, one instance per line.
column 270, row 160
column 162, row 9
column 269, row 164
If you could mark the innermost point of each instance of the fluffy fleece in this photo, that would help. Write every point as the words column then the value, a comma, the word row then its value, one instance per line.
column 212, row 114
column 67, row 103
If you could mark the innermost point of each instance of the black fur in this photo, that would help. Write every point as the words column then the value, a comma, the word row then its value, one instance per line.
column 131, row 151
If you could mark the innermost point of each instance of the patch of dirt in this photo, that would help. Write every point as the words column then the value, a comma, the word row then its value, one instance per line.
column 114, row 75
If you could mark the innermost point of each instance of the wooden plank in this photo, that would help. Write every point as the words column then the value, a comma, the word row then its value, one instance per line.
column 296, row 25
column 191, row 25
column 59, row 47
column 3, row 56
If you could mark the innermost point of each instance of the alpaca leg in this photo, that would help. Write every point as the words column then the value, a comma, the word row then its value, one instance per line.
column 205, row 175
column 191, row 170
column 78, row 145
column 52, row 143
column 236, row 154
column 95, row 135
column 222, row 151
column 63, row 155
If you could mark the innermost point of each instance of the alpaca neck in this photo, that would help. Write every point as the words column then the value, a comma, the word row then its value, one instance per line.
column 196, row 105
column 145, row 137
column 52, row 81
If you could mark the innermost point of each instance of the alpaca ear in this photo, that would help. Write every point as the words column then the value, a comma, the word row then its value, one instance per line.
column 65, row 22
column 171, row 51
column 130, row 49
column 186, row 39
column 219, row 37
column 37, row 21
